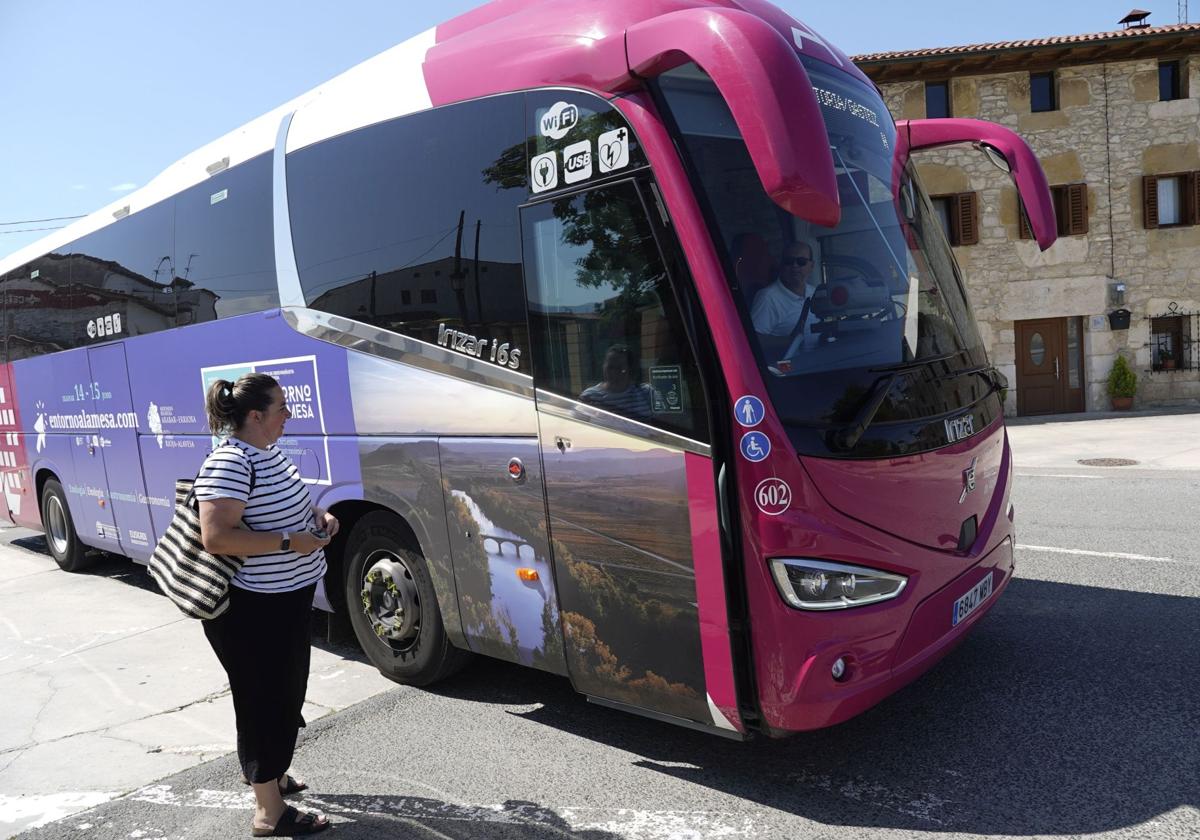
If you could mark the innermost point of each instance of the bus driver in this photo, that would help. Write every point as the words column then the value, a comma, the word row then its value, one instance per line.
column 778, row 307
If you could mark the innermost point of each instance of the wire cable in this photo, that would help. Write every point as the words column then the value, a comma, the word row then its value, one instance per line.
column 39, row 221
column 29, row 230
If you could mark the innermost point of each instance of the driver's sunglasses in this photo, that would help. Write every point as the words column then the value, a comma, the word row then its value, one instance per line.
column 800, row 261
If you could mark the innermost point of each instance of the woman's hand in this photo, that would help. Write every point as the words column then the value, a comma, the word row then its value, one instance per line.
column 306, row 542
column 327, row 521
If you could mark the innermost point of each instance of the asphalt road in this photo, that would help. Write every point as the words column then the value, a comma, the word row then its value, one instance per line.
column 1071, row 710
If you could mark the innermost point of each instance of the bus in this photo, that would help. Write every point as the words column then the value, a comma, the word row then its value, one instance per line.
column 512, row 276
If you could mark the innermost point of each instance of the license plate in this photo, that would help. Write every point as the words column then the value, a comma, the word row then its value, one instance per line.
column 970, row 602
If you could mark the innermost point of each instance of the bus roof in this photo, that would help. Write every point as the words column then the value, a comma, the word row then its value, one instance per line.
column 519, row 43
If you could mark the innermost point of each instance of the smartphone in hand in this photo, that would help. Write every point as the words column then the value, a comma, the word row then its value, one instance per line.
column 320, row 533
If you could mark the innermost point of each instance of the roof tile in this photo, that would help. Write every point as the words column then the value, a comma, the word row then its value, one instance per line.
column 1133, row 32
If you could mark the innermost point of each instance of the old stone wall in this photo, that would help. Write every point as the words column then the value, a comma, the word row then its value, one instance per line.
column 1108, row 132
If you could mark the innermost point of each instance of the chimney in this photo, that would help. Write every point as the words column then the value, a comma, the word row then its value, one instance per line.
column 1136, row 19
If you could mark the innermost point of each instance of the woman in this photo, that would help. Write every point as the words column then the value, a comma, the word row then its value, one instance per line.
column 253, row 504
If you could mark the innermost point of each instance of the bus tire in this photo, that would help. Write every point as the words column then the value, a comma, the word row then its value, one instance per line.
column 393, row 607
column 68, row 552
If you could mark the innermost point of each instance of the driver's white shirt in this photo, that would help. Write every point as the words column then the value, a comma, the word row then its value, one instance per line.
column 777, row 308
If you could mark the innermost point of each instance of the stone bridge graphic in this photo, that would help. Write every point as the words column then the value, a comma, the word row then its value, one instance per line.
column 495, row 544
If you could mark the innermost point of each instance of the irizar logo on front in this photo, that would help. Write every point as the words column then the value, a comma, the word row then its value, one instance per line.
column 958, row 428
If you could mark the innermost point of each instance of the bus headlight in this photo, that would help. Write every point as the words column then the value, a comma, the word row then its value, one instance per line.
column 820, row 585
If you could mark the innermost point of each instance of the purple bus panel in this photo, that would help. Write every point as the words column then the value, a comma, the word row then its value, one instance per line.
column 119, row 423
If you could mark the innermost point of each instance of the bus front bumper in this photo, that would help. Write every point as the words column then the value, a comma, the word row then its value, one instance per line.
column 879, row 664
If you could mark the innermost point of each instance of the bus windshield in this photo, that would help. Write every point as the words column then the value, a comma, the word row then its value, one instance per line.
column 838, row 315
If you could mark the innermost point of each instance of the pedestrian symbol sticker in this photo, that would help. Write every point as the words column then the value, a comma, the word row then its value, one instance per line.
column 577, row 162
column 755, row 446
column 748, row 411
column 543, row 171
column 614, row 149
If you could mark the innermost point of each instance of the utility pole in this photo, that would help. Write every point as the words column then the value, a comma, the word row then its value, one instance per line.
column 1182, row 6
column 457, row 276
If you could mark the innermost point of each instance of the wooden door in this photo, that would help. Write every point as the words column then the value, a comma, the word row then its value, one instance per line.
column 1049, row 366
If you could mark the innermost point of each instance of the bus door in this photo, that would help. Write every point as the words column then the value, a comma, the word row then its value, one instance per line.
column 109, row 453
column 628, row 475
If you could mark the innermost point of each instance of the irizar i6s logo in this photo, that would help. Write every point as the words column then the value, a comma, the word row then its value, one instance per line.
column 462, row 342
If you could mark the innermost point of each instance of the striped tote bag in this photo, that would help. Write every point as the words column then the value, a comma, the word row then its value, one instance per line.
column 197, row 582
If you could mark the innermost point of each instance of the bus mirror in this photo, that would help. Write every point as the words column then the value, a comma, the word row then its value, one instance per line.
column 767, row 91
column 996, row 157
column 1004, row 148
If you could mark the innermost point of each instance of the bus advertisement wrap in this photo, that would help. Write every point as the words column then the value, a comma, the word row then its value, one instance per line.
column 666, row 382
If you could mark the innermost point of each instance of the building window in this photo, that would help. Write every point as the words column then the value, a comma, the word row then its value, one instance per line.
column 1171, row 342
column 959, row 214
column 1070, row 211
column 937, row 100
column 1169, row 200
column 1041, row 92
column 1170, row 81
column 429, row 296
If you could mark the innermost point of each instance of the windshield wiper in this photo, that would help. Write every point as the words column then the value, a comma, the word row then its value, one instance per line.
column 848, row 436
column 915, row 363
column 989, row 373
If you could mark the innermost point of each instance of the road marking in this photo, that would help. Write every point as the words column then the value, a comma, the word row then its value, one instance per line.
column 1117, row 555
column 630, row 823
column 927, row 807
column 1057, row 475
column 47, row 808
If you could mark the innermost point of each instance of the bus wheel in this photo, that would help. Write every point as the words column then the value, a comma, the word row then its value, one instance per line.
column 393, row 607
column 68, row 552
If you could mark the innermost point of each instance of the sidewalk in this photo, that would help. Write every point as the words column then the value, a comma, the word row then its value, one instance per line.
column 107, row 687
column 1156, row 440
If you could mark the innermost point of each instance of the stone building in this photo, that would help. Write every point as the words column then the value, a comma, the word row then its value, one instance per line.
column 1115, row 119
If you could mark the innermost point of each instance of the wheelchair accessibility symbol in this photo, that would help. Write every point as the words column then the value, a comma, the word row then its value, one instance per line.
column 755, row 446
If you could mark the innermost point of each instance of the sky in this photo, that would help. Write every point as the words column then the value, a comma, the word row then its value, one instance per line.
column 96, row 98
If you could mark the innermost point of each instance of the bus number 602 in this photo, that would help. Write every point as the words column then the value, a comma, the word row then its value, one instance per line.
column 773, row 496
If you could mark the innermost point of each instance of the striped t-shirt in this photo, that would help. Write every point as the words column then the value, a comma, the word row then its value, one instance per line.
column 279, row 502
column 635, row 401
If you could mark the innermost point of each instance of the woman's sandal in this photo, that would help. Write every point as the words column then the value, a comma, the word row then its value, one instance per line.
column 293, row 823
column 290, row 787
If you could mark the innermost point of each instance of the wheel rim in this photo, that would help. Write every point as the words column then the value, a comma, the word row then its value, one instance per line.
column 57, row 529
column 390, row 600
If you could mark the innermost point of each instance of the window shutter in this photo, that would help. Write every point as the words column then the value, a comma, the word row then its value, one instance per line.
column 954, row 219
column 1077, row 211
column 1025, row 231
column 1150, row 201
column 967, row 218
column 1192, row 187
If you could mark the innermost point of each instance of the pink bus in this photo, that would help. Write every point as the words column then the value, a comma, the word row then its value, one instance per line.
column 621, row 336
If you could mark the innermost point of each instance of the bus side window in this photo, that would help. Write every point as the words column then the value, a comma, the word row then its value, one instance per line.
column 411, row 224
column 606, row 328
column 36, row 295
column 121, row 278
column 224, row 245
